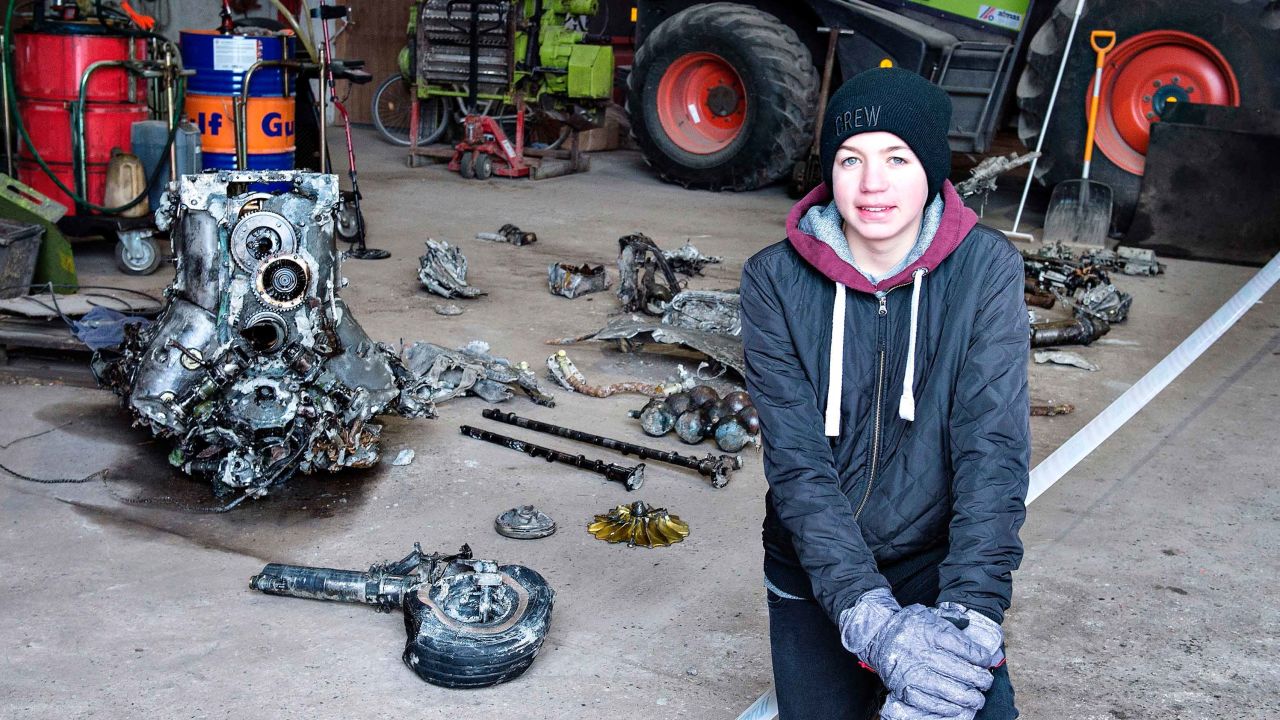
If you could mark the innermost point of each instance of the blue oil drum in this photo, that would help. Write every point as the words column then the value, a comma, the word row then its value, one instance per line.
column 220, row 63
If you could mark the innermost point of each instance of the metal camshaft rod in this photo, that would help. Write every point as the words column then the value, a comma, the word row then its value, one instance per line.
column 631, row 477
column 718, row 468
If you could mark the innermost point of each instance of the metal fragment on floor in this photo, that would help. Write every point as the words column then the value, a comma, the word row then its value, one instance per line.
column 633, row 331
column 524, row 523
column 470, row 623
column 1062, row 357
column 646, row 281
column 688, row 260
column 1052, row 409
column 446, row 374
column 699, row 413
column 718, row 469
column 566, row 374
column 571, row 281
column 1079, row 330
column 630, row 476
column 715, row 311
column 509, row 234
column 443, row 271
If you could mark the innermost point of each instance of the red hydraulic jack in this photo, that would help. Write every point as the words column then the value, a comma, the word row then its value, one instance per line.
column 485, row 150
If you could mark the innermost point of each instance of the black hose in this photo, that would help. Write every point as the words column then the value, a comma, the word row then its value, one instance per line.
column 77, row 132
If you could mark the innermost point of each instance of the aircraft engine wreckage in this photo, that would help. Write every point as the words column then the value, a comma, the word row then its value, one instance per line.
column 256, row 368
column 470, row 623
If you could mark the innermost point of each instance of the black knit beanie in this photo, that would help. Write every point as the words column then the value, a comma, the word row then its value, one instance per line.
column 896, row 101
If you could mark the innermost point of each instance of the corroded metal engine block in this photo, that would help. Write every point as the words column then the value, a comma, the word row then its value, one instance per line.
column 256, row 367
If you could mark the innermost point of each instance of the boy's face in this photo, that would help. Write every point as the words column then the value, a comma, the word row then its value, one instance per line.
column 879, row 187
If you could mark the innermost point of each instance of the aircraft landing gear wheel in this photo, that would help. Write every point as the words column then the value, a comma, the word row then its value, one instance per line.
column 465, row 634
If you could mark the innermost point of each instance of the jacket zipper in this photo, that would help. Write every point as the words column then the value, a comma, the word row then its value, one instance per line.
column 875, row 436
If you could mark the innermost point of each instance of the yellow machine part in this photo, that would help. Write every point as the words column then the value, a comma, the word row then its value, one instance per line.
column 639, row 524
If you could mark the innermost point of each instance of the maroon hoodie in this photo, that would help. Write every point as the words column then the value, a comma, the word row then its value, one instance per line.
column 957, row 221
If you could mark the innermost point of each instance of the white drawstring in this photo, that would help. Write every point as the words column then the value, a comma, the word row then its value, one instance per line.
column 907, row 405
column 835, row 372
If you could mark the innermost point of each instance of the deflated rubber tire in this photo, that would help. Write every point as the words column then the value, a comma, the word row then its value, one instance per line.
column 456, row 655
column 778, row 78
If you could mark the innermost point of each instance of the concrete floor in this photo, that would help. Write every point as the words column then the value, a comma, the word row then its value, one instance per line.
column 1143, row 593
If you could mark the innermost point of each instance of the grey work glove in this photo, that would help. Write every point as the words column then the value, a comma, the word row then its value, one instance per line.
column 977, row 627
column 895, row 709
column 921, row 658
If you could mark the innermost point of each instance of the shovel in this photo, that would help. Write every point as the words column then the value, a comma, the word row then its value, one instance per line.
column 1080, row 210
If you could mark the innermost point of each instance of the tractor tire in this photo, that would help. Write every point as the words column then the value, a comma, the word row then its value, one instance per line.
column 1232, row 45
column 722, row 97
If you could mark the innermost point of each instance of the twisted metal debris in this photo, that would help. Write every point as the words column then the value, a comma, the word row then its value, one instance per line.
column 471, row 369
column 443, row 271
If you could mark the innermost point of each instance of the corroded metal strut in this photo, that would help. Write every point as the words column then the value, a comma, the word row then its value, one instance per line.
column 631, row 477
column 719, row 468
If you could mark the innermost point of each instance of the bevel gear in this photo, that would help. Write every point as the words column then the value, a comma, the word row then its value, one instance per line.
column 639, row 524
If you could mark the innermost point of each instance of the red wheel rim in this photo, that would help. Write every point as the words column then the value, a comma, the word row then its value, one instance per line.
column 701, row 103
column 1142, row 79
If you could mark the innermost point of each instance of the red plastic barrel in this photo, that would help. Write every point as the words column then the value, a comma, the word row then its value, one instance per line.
column 96, row 176
column 48, row 67
column 106, row 126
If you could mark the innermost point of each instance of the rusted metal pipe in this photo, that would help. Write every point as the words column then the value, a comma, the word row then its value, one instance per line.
column 718, row 468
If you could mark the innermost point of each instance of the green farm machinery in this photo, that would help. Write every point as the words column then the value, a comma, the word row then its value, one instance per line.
column 486, row 74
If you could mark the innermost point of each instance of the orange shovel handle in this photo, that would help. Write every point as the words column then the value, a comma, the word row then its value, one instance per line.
column 1095, row 40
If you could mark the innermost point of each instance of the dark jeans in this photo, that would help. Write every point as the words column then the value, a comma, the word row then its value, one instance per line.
column 817, row 679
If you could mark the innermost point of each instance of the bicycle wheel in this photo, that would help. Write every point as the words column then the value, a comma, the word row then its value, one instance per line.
column 392, row 104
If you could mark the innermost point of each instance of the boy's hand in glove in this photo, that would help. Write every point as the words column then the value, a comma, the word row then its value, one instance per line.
column 922, row 658
column 895, row 709
column 977, row 627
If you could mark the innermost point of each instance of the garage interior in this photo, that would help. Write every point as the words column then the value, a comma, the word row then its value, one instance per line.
column 1142, row 593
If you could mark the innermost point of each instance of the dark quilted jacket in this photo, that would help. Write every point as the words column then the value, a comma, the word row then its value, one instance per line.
column 844, row 512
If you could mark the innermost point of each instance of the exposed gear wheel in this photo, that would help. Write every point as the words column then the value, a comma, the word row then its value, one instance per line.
column 718, row 100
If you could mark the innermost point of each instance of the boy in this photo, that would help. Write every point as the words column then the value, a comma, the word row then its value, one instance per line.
column 896, row 425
